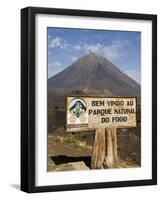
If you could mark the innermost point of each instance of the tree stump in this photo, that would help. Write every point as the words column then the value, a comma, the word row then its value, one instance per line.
column 105, row 149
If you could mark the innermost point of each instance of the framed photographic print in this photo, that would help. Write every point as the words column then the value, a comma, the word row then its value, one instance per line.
column 88, row 99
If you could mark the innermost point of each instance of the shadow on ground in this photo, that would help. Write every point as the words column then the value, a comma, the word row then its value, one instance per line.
column 15, row 186
column 58, row 160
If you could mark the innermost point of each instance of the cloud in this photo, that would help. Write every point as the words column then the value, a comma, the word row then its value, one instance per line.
column 77, row 47
column 58, row 42
column 134, row 74
column 113, row 51
column 53, row 64
column 54, row 68
column 74, row 58
column 95, row 48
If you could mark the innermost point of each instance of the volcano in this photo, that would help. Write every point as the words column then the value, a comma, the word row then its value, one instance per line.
column 94, row 75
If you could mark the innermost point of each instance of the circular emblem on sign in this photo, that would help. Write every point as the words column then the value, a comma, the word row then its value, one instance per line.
column 78, row 107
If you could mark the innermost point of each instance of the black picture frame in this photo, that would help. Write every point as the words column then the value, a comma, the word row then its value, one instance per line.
column 28, row 98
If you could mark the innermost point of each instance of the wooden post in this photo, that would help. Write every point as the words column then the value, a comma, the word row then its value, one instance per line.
column 114, row 135
column 98, row 154
column 104, row 153
column 111, row 157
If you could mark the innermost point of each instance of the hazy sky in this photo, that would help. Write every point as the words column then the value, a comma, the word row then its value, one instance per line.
column 120, row 47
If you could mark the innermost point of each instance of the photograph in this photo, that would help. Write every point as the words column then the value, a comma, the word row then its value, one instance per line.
column 93, row 99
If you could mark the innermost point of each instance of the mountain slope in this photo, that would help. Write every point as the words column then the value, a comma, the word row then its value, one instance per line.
column 94, row 74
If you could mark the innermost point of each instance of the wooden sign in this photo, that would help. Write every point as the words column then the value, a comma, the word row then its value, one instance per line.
column 90, row 113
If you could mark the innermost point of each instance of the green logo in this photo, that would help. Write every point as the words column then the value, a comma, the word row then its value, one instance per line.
column 78, row 107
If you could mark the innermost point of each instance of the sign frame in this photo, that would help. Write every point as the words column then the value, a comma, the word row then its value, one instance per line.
column 99, row 96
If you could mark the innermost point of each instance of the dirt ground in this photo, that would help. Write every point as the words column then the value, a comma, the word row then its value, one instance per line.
column 66, row 151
